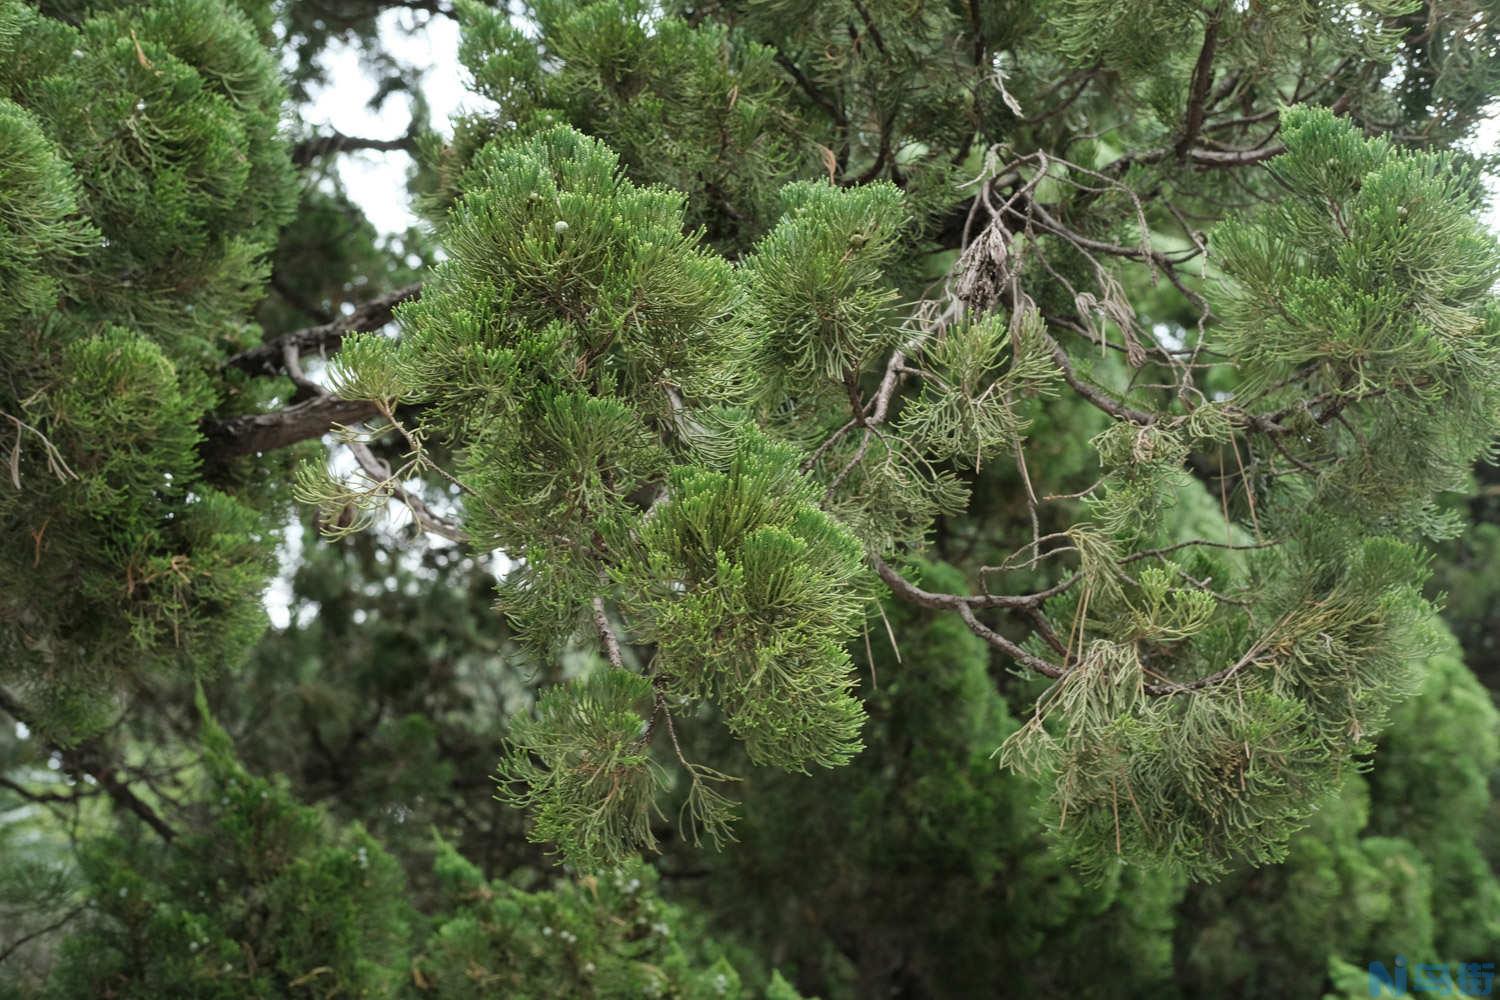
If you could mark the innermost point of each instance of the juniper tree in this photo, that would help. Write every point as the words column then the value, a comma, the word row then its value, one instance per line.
column 1169, row 329
column 610, row 387
column 145, row 178
column 1393, row 863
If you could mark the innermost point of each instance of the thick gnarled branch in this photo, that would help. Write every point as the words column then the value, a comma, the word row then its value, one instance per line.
column 254, row 433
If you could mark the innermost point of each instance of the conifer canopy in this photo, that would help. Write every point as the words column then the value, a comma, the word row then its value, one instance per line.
column 1045, row 418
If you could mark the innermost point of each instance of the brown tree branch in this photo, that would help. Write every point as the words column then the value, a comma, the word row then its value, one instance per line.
column 268, row 358
column 1030, row 605
column 310, row 418
column 1203, row 76
column 259, row 432
column 912, row 594
column 380, row 472
column 89, row 758
column 309, row 150
column 810, row 88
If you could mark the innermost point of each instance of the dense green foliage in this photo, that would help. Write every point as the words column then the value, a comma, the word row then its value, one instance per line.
column 145, row 178
column 865, row 498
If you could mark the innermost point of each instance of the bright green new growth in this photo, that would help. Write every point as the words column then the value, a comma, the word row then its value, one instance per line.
column 817, row 284
column 571, row 319
column 748, row 592
column 584, row 768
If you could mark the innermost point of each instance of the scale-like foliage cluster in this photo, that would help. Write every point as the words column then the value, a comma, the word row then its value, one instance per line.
column 40, row 228
column 585, row 359
column 578, row 352
column 890, row 86
column 1366, row 289
column 1392, row 864
column 931, row 869
column 818, row 284
column 571, row 319
column 683, row 105
column 978, row 377
column 749, row 592
column 583, row 767
column 744, row 305
column 1379, row 276
column 141, row 179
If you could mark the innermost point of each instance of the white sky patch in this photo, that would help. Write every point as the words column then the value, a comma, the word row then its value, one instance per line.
column 278, row 596
column 1487, row 140
column 376, row 181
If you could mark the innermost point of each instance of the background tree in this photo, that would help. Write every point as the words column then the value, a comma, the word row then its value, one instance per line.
column 1035, row 416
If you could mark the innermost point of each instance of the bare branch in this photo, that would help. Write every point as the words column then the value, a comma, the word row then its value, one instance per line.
column 607, row 635
column 381, row 474
column 912, row 594
column 89, row 758
column 55, row 461
column 1203, row 76
column 268, row 358
column 309, row 150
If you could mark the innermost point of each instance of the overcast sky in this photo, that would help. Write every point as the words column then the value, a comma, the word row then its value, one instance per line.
column 377, row 181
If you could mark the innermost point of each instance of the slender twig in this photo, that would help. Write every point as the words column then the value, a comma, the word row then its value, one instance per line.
column 1252, row 655
column 911, row 593
column 25, row 939
column 56, row 464
column 607, row 637
column 88, row 758
column 380, row 473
